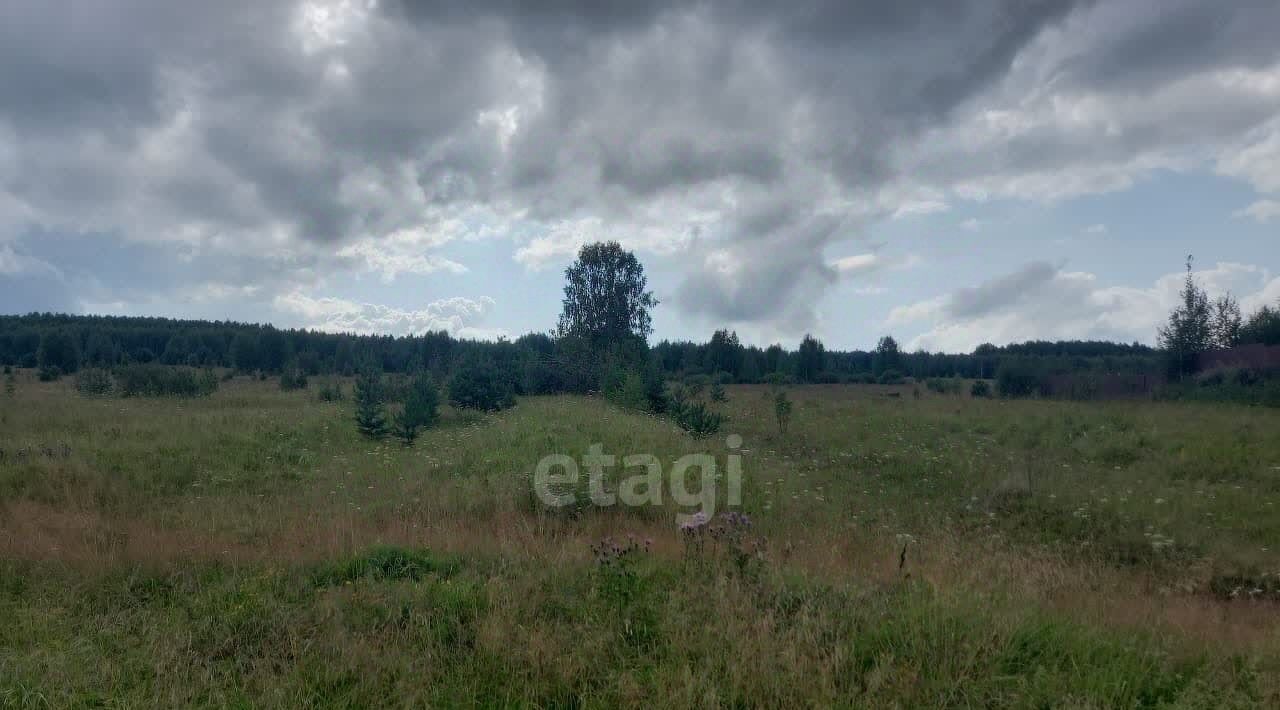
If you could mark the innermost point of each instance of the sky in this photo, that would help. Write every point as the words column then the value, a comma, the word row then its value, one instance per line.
column 950, row 172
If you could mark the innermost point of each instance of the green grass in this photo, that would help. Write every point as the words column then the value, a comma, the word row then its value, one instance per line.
column 252, row 549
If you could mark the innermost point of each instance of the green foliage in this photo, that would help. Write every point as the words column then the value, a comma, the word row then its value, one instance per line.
column 717, row 393
column 479, row 385
column 164, row 381
column 94, row 382
column 330, row 392
column 1189, row 331
column 810, row 360
column 693, row 416
column 943, row 385
column 371, row 418
column 10, row 383
column 49, row 373
column 385, row 563
column 1236, row 385
column 778, row 379
column 58, row 350
column 293, row 378
column 625, row 387
column 421, row 410
column 1019, row 377
column 980, row 388
column 891, row 377
column 782, row 411
column 1263, row 327
column 887, row 356
column 695, row 385
column 605, row 296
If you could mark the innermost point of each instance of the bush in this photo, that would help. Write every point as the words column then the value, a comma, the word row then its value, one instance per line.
column 698, row 420
column 943, row 385
column 330, row 393
column 891, row 377
column 293, row 379
column 692, row 416
column 778, row 378
column 421, row 410
column 980, row 388
column 695, row 384
column 49, row 373
column 717, row 393
column 94, row 382
column 782, row 411
column 1019, row 378
column 626, row 388
column 370, row 419
column 164, row 381
column 479, row 385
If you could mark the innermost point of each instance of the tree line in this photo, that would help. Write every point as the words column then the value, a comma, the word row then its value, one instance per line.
column 602, row 334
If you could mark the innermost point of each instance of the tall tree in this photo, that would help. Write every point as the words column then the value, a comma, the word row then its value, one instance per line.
column 59, row 349
column 1262, row 327
column 1226, row 322
column 605, row 296
column 887, row 356
column 724, row 353
column 1189, row 331
column 810, row 360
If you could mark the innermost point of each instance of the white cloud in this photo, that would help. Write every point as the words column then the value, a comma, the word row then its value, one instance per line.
column 920, row 207
column 459, row 316
column 1044, row 302
column 1260, row 211
column 971, row 224
column 1096, row 229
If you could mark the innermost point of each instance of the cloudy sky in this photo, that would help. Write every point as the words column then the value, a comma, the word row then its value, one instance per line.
column 951, row 172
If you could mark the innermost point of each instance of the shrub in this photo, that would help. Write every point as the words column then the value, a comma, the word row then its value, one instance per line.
column 1018, row 378
column 626, row 388
column 695, row 385
column 49, row 373
column 293, row 379
column 778, row 378
column 94, row 382
column 782, row 411
column 164, row 381
column 421, row 410
column 10, row 384
column 698, row 420
column 370, row 418
column 693, row 416
column 717, row 393
column 478, row 385
column 891, row 377
column 330, row 393
column 943, row 385
column 980, row 388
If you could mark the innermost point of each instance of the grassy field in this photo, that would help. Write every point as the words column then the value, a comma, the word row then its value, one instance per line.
column 251, row 549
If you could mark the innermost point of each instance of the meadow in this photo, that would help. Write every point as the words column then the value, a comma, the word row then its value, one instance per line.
column 913, row 550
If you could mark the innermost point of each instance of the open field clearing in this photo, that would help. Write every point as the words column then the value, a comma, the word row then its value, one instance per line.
column 252, row 548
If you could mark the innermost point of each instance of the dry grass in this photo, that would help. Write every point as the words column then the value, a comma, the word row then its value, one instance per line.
column 146, row 517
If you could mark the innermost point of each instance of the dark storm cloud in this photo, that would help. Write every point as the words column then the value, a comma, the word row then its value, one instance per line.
column 279, row 132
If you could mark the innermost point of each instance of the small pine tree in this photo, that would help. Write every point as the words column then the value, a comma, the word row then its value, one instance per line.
column 10, row 384
column 782, row 410
column 421, row 410
column 370, row 418
column 717, row 392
